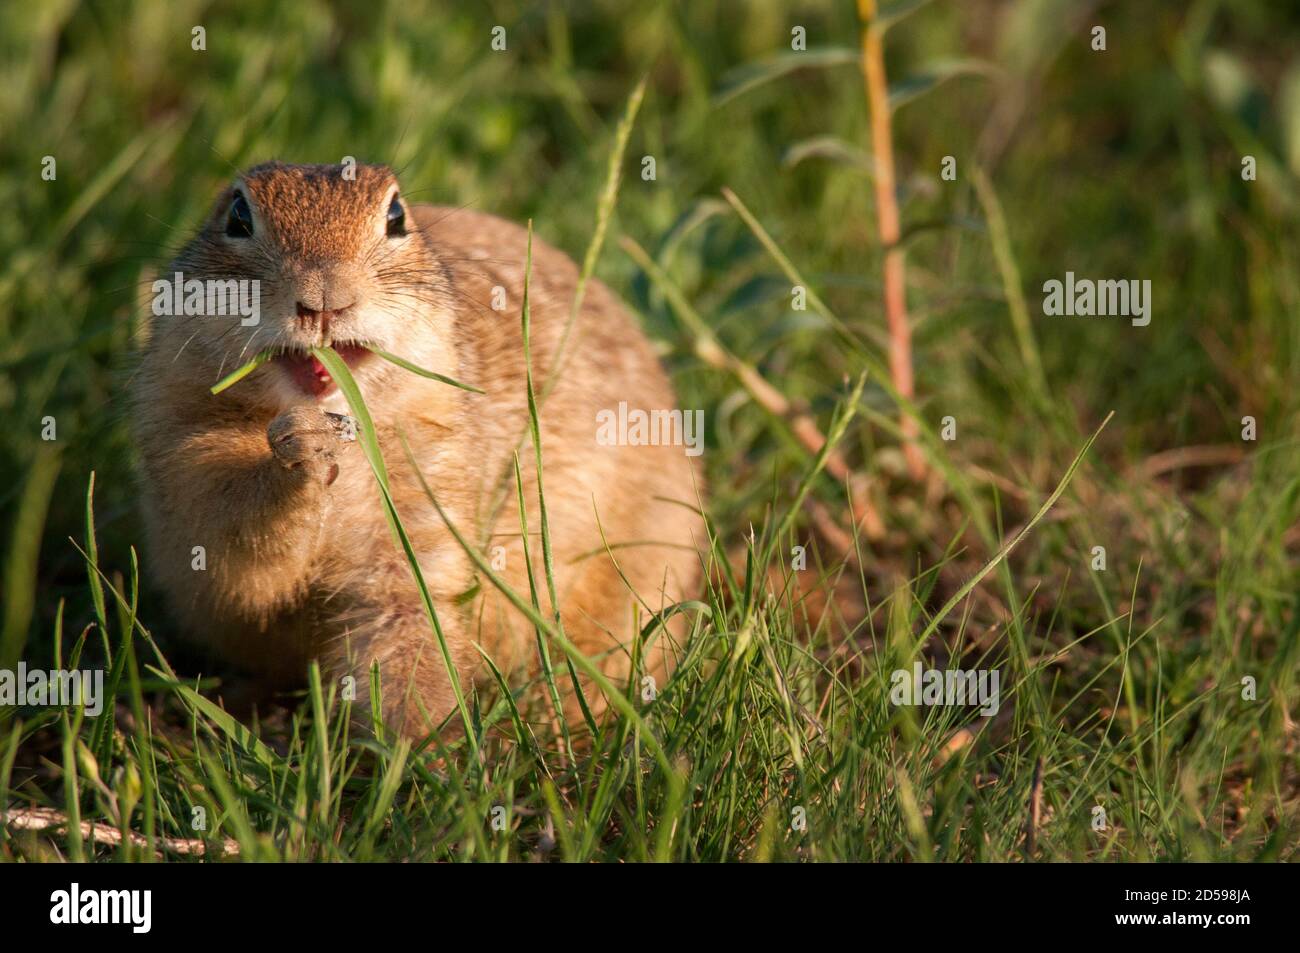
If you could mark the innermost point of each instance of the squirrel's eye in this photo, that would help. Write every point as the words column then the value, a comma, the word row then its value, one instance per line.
column 396, row 219
column 239, row 223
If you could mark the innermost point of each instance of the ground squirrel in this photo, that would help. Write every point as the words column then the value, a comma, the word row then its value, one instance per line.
column 297, row 561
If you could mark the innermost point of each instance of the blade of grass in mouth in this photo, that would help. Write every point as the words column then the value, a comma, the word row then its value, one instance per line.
column 433, row 376
column 236, row 376
column 338, row 371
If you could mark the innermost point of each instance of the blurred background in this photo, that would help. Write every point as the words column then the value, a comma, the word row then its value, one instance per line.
column 1122, row 163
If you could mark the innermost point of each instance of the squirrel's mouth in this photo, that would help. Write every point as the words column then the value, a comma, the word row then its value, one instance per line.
column 309, row 375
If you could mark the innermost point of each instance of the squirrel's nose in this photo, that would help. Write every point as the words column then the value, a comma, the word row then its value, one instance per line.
column 322, row 292
column 314, row 319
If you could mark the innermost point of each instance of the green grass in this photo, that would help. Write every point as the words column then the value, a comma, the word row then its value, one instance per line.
column 1125, row 685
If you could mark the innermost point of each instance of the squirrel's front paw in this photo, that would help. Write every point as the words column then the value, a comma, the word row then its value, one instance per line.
column 308, row 438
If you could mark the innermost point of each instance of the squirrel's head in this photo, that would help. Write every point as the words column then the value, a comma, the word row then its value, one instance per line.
column 301, row 256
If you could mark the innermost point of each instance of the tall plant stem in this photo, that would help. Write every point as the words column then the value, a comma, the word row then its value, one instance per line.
column 887, row 220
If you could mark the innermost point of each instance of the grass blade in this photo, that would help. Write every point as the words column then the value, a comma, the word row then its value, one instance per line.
column 432, row 375
column 21, row 567
column 236, row 376
column 1015, row 541
column 366, row 436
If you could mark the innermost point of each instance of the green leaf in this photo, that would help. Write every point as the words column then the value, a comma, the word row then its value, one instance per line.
column 234, row 729
column 407, row 365
column 937, row 619
column 237, row 376
column 92, row 556
column 388, row 786
column 908, row 89
column 21, row 573
column 659, row 619
column 831, row 148
column 1288, row 108
column 338, row 371
column 688, row 221
column 1034, row 32
column 892, row 11
column 752, row 75
column 1228, row 80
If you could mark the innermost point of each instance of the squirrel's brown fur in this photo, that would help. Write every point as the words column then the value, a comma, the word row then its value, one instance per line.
column 300, row 562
